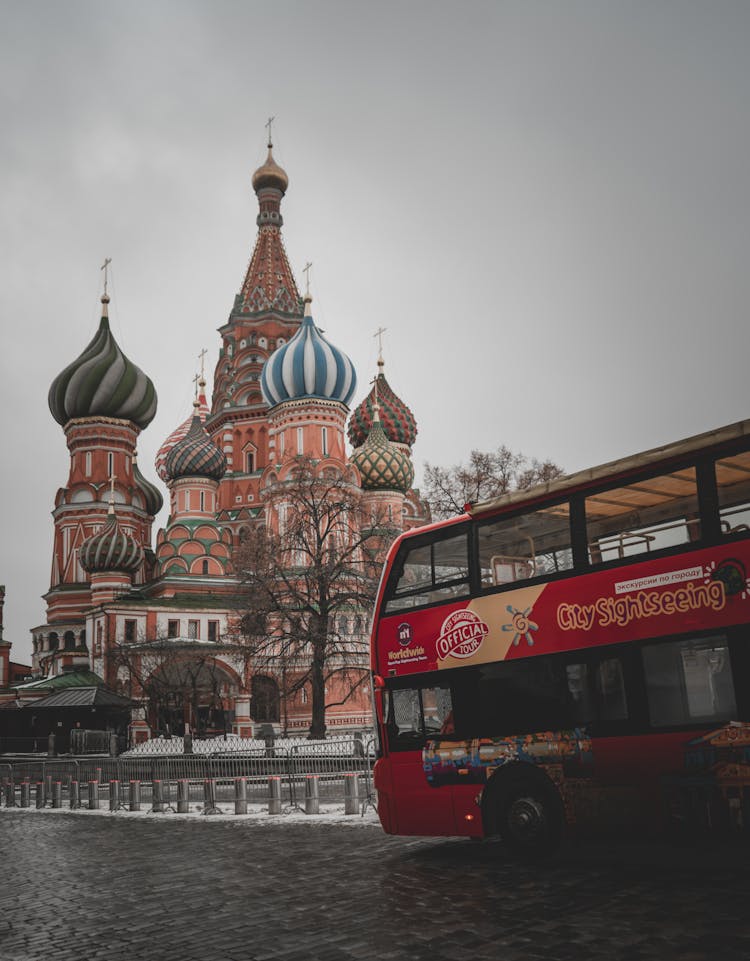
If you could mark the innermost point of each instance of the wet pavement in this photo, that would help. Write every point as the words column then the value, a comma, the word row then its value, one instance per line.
column 90, row 887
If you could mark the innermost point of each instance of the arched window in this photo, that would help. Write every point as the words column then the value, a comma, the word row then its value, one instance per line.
column 264, row 699
column 54, row 641
column 205, row 567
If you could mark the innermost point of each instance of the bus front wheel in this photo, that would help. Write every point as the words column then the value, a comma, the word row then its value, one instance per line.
column 529, row 816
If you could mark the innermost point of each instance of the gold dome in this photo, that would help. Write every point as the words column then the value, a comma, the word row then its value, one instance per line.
column 270, row 175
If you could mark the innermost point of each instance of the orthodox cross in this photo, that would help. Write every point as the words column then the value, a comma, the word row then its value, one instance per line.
column 202, row 357
column 196, row 382
column 107, row 262
column 268, row 127
column 375, row 402
column 379, row 334
column 306, row 272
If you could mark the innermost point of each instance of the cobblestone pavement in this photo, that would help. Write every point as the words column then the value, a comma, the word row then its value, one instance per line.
column 108, row 887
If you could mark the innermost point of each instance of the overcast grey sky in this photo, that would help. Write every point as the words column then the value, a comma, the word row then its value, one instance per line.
column 546, row 204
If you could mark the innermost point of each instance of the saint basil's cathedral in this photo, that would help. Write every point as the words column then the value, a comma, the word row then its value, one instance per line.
column 280, row 390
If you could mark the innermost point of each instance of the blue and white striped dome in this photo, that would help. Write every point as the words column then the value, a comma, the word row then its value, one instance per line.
column 308, row 366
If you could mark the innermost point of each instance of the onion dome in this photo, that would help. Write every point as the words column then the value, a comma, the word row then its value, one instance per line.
column 179, row 432
column 270, row 174
column 151, row 494
column 195, row 455
column 395, row 417
column 102, row 382
column 382, row 464
column 308, row 366
column 111, row 549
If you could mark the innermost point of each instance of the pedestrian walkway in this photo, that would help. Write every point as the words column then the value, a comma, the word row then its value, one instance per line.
column 236, row 889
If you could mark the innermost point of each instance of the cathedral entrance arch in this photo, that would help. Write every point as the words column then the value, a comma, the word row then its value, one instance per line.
column 193, row 695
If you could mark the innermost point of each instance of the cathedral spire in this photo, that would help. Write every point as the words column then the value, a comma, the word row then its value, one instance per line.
column 269, row 284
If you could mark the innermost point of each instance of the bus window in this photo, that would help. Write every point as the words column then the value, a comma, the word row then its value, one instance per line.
column 597, row 689
column 521, row 697
column 689, row 681
column 531, row 545
column 437, row 710
column 733, row 484
column 649, row 515
column 414, row 714
column 404, row 717
column 612, row 702
column 428, row 572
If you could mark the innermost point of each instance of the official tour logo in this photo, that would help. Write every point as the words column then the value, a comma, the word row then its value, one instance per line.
column 461, row 635
column 405, row 634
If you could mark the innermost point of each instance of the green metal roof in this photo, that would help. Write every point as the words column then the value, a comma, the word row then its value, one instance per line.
column 82, row 697
column 61, row 681
column 187, row 602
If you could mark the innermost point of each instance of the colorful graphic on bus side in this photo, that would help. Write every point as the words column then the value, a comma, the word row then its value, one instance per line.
column 474, row 761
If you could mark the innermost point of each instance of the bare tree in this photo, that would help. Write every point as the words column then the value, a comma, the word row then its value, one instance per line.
column 320, row 561
column 487, row 474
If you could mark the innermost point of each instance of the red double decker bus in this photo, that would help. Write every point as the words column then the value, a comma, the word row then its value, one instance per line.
column 578, row 653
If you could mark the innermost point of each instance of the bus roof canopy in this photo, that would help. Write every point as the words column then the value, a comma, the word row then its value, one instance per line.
column 616, row 468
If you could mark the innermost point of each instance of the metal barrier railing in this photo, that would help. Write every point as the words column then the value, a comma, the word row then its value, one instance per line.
column 331, row 763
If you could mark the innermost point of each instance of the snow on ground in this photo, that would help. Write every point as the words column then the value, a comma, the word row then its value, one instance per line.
column 232, row 743
column 257, row 815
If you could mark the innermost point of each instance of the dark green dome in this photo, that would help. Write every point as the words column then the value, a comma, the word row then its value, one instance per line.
column 111, row 550
column 195, row 455
column 102, row 382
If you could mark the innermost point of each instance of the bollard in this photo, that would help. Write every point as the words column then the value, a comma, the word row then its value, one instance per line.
column 48, row 786
column 57, row 794
column 10, row 794
column 114, row 795
column 274, row 794
column 183, row 796
column 351, row 793
column 240, row 795
column 312, row 794
column 93, row 795
column 209, row 796
column 157, row 803
column 135, row 795
column 25, row 794
column 39, row 794
column 75, row 796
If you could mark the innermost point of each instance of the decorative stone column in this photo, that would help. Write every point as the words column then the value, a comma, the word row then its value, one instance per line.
column 138, row 729
column 242, row 724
